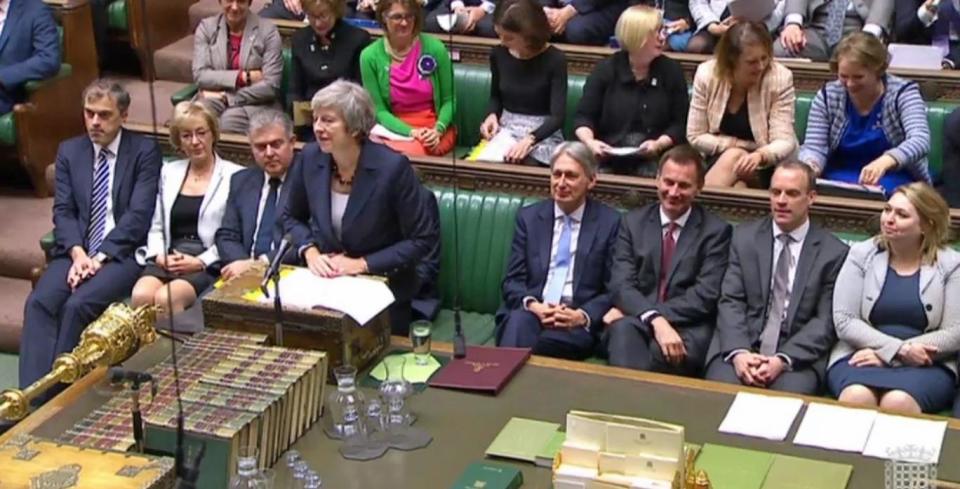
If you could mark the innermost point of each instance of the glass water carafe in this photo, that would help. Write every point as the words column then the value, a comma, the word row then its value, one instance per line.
column 346, row 404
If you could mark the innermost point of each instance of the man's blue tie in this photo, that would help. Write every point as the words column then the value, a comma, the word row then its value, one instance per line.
column 264, row 241
column 97, row 230
column 561, row 264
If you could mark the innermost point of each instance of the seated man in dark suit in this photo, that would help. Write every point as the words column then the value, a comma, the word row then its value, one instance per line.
column 106, row 189
column 775, row 316
column 29, row 48
column 583, row 21
column 554, row 293
column 667, row 268
column 251, row 228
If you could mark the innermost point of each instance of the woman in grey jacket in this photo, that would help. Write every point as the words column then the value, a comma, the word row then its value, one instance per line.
column 867, row 127
column 237, row 64
column 897, row 314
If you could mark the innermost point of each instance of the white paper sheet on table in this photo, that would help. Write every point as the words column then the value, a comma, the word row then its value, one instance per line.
column 906, row 439
column 358, row 297
column 762, row 416
column 495, row 149
column 835, row 427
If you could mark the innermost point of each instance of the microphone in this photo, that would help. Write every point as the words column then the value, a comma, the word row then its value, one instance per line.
column 459, row 340
column 282, row 249
column 119, row 375
column 135, row 379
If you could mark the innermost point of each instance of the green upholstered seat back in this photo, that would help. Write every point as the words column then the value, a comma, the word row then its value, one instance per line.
column 486, row 223
column 117, row 15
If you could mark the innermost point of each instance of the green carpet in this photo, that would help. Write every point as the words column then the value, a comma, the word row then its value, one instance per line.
column 8, row 371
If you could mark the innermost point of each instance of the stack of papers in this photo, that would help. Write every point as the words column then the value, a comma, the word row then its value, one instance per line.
column 523, row 439
column 761, row 416
column 871, row 433
column 358, row 297
column 835, row 427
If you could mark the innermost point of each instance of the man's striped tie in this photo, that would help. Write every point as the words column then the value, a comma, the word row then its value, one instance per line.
column 98, row 203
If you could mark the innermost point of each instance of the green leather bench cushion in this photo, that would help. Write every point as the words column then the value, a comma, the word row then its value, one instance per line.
column 8, row 130
column 117, row 15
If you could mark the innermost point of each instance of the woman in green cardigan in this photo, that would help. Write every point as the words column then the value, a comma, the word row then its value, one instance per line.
column 410, row 77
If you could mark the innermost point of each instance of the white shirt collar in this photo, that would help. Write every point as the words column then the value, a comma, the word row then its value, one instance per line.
column 798, row 234
column 113, row 147
column 267, row 177
column 576, row 215
column 681, row 221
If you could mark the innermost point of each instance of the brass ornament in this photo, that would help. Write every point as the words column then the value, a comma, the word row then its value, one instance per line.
column 112, row 338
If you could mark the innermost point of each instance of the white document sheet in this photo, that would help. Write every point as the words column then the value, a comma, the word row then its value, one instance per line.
column 358, row 297
column 835, row 427
column 762, row 416
column 915, row 56
column 384, row 133
column 624, row 150
column 906, row 439
column 497, row 147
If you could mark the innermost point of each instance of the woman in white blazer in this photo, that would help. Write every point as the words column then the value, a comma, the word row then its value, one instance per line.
column 190, row 204
column 897, row 310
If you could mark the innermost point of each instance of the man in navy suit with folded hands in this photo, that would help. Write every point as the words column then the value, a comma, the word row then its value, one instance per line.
column 106, row 190
column 251, row 228
column 29, row 48
column 554, row 293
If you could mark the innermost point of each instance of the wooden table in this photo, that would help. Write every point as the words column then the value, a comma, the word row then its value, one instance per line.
column 464, row 424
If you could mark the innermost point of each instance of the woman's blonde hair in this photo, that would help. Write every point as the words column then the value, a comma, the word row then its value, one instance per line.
column 190, row 110
column 865, row 50
column 934, row 215
column 635, row 25
column 735, row 41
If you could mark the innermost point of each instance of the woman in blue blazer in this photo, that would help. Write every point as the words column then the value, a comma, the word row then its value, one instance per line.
column 897, row 314
column 355, row 206
column 190, row 205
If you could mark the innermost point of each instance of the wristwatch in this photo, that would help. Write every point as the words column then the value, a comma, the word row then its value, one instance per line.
column 101, row 257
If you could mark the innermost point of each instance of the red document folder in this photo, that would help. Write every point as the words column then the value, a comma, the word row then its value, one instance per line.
column 485, row 369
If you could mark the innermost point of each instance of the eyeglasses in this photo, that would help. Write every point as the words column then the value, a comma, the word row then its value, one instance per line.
column 398, row 18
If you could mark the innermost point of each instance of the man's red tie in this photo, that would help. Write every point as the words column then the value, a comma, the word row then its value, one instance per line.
column 666, row 256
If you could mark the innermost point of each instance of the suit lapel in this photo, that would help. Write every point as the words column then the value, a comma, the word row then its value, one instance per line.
column 171, row 188
column 249, row 37
column 588, row 232
column 544, row 240
column 220, row 45
column 215, row 180
column 927, row 272
column 13, row 18
column 325, row 223
column 84, row 189
column 251, row 206
column 688, row 235
column 880, row 270
column 765, row 258
column 120, row 169
column 364, row 185
column 656, row 233
column 808, row 256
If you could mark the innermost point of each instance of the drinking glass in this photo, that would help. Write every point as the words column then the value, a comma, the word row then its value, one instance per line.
column 420, row 332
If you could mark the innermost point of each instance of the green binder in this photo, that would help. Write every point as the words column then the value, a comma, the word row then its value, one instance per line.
column 802, row 473
column 489, row 476
column 734, row 468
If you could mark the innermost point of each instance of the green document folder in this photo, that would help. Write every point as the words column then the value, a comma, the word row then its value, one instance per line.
column 522, row 439
column 734, row 468
column 482, row 475
column 802, row 473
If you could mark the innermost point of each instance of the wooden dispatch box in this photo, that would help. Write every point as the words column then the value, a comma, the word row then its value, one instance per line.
column 334, row 332
column 28, row 462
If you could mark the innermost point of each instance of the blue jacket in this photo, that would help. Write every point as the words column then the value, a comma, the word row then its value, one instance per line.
column 134, row 194
column 530, row 259
column 29, row 49
column 904, row 120
column 385, row 221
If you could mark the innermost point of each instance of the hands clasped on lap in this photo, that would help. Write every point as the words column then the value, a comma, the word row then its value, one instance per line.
column 557, row 316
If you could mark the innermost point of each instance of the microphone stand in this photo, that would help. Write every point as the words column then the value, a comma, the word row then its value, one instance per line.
column 277, row 309
column 136, row 416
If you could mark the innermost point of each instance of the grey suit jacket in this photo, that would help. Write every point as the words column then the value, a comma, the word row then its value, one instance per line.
column 745, row 294
column 878, row 12
column 693, row 281
column 863, row 275
column 261, row 49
